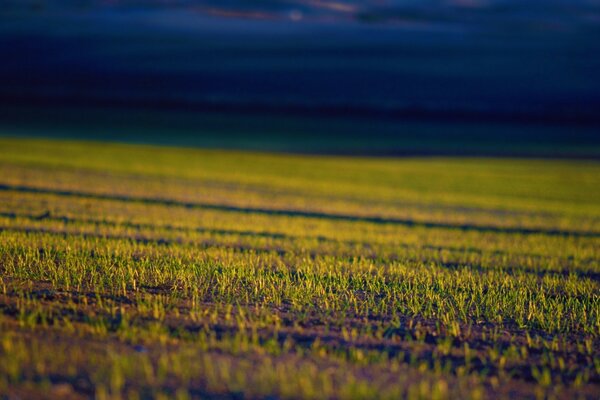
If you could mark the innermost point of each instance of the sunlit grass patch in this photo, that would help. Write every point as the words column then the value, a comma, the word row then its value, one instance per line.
column 143, row 271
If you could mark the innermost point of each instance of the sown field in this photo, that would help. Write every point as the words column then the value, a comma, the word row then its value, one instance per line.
column 138, row 271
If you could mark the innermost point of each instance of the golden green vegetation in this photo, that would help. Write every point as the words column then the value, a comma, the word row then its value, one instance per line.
column 137, row 271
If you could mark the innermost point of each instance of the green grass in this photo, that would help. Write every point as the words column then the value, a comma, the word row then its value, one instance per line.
column 139, row 271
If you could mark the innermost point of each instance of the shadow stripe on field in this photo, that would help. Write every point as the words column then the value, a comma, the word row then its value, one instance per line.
column 300, row 213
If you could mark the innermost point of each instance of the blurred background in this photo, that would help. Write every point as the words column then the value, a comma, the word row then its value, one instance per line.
column 377, row 77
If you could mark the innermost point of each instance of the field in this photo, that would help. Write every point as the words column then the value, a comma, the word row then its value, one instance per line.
column 137, row 271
